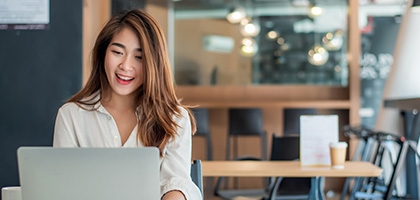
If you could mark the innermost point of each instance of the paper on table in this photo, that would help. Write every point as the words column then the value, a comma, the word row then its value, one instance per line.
column 316, row 132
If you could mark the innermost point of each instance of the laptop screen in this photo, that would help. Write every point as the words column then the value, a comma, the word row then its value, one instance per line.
column 48, row 173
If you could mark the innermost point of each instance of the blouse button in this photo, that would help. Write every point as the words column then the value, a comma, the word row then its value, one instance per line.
column 109, row 117
column 115, row 137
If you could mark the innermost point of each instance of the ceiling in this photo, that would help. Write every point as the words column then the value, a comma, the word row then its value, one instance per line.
column 182, row 5
column 219, row 8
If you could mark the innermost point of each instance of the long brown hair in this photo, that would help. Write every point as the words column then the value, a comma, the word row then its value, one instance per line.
column 156, row 101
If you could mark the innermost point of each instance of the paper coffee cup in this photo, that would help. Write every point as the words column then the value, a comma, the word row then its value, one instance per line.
column 338, row 154
column 11, row 193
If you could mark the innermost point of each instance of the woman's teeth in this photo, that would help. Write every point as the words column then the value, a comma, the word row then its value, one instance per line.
column 124, row 78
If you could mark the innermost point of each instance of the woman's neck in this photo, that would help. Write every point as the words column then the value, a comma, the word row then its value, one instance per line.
column 116, row 102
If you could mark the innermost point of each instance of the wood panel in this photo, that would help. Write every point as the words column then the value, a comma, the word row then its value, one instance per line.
column 95, row 15
column 354, row 68
column 266, row 93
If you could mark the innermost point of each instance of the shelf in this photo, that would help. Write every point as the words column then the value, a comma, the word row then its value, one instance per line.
column 270, row 94
column 403, row 104
column 324, row 104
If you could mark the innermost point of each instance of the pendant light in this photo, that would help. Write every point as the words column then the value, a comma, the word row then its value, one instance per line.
column 249, row 27
column 249, row 47
column 333, row 41
column 318, row 55
column 236, row 14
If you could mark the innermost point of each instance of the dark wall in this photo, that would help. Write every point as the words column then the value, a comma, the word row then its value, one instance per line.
column 119, row 5
column 380, row 42
column 39, row 70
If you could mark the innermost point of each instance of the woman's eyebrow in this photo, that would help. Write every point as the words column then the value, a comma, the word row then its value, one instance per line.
column 118, row 45
column 122, row 46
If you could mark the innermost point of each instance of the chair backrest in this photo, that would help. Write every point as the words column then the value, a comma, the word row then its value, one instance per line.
column 414, row 132
column 202, row 120
column 291, row 119
column 288, row 148
column 203, row 128
column 196, row 174
column 245, row 122
column 285, row 148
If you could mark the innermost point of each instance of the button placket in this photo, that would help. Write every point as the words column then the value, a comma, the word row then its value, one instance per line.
column 114, row 130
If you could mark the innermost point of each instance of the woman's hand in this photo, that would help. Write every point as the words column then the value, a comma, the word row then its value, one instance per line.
column 174, row 195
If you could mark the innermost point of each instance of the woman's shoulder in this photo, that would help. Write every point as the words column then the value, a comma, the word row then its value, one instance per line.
column 86, row 103
column 182, row 113
column 69, row 107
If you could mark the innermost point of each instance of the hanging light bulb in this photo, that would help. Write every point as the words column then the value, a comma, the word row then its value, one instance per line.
column 318, row 55
column 248, row 47
column 249, row 28
column 333, row 41
column 315, row 11
column 272, row 35
column 235, row 15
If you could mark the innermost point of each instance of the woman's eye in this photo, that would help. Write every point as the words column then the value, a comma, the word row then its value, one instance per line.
column 116, row 52
column 139, row 57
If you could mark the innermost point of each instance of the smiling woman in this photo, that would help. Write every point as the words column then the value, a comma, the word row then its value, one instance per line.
column 129, row 101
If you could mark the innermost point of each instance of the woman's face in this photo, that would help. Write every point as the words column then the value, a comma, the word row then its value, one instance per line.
column 123, row 63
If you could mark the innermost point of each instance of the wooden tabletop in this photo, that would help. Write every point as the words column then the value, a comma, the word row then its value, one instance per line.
column 286, row 169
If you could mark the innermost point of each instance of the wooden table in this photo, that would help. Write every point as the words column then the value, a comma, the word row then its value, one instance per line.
column 288, row 169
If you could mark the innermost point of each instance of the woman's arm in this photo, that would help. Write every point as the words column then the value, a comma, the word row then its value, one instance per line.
column 174, row 195
column 63, row 134
column 176, row 163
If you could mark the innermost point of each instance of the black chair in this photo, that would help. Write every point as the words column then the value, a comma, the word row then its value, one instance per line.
column 203, row 129
column 412, row 126
column 291, row 120
column 363, row 152
column 287, row 148
column 196, row 174
column 243, row 122
column 377, row 187
column 393, row 146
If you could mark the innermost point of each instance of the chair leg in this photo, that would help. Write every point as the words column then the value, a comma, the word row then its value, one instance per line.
column 397, row 169
column 264, row 147
column 228, row 148
column 274, row 188
column 209, row 148
column 316, row 189
column 359, row 153
column 345, row 189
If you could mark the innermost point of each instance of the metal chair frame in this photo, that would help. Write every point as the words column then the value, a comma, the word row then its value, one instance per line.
column 377, row 187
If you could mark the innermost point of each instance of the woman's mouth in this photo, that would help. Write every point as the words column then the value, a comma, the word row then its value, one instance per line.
column 124, row 80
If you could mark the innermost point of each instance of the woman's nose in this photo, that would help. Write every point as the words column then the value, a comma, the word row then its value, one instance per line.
column 127, row 63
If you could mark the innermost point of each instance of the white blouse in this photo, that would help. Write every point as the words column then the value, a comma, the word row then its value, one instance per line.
column 77, row 127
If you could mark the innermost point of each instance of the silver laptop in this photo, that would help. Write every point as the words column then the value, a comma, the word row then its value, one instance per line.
column 48, row 173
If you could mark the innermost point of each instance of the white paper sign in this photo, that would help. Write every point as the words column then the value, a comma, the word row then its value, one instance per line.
column 316, row 132
column 24, row 14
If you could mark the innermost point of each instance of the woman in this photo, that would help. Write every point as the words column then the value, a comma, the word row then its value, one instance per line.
column 129, row 101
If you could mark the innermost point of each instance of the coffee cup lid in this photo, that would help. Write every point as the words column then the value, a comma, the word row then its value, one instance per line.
column 338, row 144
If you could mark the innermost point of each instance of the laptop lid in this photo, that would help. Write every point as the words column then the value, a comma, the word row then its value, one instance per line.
column 48, row 173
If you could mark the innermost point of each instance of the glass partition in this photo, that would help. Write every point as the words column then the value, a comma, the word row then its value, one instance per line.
column 276, row 42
